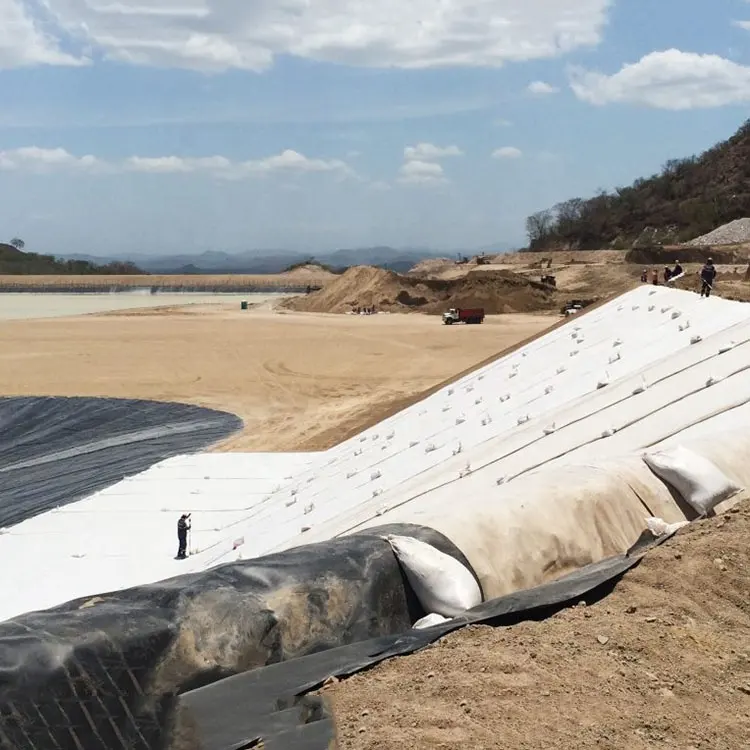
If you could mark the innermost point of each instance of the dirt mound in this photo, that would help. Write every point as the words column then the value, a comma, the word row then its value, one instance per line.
column 309, row 271
column 365, row 286
column 733, row 233
column 430, row 266
column 664, row 661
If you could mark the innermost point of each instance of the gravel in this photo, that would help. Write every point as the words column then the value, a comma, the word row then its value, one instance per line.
column 729, row 234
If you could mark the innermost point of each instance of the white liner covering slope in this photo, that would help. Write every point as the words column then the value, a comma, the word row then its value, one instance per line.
column 530, row 464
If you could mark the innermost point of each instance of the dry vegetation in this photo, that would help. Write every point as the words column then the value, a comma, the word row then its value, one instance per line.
column 663, row 662
column 688, row 198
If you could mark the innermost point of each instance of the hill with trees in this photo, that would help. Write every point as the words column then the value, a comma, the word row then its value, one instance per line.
column 14, row 261
column 688, row 198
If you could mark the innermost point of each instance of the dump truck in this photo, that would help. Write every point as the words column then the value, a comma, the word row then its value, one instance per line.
column 463, row 315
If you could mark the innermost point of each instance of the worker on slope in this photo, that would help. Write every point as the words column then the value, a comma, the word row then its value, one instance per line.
column 708, row 274
column 183, row 526
column 667, row 274
column 677, row 270
column 644, row 276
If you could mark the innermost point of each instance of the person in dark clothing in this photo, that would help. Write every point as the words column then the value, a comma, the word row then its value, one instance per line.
column 183, row 526
column 677, row 270
column 667, row 274
column 708, row 274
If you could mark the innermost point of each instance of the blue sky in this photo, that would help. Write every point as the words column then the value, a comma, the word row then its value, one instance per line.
column 187, row 125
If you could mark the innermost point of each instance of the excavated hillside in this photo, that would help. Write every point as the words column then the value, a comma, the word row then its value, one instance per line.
column 366, row 286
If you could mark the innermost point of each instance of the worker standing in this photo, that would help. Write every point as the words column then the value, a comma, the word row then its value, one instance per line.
column 654, row 277
column 183, row 526
column 708, row 274
column 677, row 270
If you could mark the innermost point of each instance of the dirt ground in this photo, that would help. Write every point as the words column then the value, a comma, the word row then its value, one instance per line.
column 663, row 662
column 299, row 381
column 312, row 275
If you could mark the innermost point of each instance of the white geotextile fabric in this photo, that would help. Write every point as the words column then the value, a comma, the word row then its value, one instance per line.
column 547, row 523
column 456, row 444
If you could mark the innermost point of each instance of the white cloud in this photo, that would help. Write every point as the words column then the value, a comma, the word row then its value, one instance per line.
column 214, row 35
column 670, row 79
column 34, row 159
column 40, row 160
column 23, row 42
column 430, row 152
column 507, row 152
column 422, row 173
column 541, row 88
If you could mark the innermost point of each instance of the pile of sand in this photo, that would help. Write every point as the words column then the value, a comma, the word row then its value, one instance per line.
column 664, row 661
column 308, row 272
column 365, row 286
column 430, row 266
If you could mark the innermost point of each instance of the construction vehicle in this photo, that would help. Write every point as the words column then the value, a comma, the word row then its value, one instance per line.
column 463, row 315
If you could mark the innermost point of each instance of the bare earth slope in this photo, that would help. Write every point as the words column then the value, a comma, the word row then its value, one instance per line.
column 663, row 662
column 499, row 291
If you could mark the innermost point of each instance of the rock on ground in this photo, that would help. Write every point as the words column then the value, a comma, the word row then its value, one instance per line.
column 733, row 233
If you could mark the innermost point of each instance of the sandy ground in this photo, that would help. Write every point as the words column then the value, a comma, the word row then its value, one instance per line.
column 663, row 662
column 299, row 381
column 299, row 276
column 26, row 306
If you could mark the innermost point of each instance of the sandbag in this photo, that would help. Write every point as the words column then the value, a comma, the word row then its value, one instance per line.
column 430, row 621
column 442, row 585
column 699, row 481
column 659, row 527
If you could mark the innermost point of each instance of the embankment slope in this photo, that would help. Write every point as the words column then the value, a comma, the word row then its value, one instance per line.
column 365, row 286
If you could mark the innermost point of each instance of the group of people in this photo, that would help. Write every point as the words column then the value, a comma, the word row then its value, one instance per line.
column 707, row 274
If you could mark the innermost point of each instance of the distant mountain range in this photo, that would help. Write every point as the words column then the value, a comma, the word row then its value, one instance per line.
column 275, row 261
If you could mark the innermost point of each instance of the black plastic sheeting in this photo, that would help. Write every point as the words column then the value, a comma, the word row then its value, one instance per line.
column 271, row 705
column 104, row 672
column 55, row 450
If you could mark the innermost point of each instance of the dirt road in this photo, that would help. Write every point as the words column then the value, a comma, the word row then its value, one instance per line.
column 300, row 381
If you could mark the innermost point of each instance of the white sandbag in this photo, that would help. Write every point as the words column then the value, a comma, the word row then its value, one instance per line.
column 698, row 481
column 429, row 621
column 441, row 583
column 659, row 527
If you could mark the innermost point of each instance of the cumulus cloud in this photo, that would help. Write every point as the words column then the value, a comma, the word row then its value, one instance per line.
column 507, row 152
column 214, row 35
column 422, row 173
column 420, row 164
column 670, row 79
column 430, row 152
column 23, row 42
column 34, row 159
column 541, row 88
